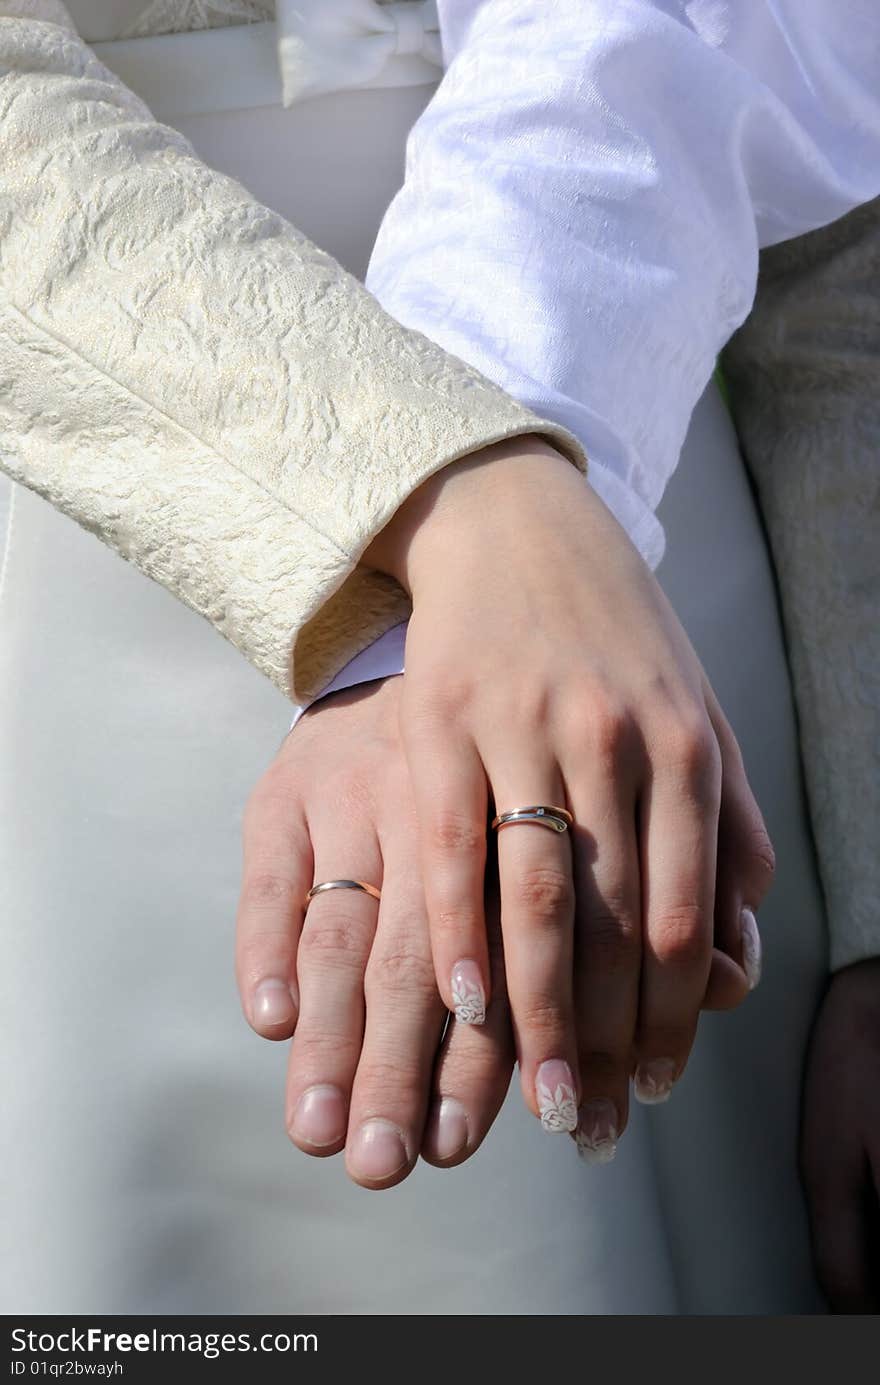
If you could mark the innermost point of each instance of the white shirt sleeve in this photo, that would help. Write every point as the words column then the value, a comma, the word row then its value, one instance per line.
column 380, row 659
column 587, row 191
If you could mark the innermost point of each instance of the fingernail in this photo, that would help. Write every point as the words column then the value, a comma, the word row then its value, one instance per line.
column 274, row 1003
column 653, row 1081
column 555, row 1090
column 320, row 1117
column 447, row 1132
column 468, row 996
column 596, row 1134
column 751, row 947
column 378, row 1150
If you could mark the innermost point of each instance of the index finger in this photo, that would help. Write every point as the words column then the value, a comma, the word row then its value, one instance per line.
column 277, row 866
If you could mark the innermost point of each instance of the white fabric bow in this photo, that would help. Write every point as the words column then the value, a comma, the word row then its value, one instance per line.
column 325, row 45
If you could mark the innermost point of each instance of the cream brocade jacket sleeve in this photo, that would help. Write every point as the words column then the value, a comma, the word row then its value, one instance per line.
column 186, row 375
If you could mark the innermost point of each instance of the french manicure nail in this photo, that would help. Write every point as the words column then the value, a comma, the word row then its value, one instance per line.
column 468, row 996
column 274, row 1002
column 555, row 1090
column 320, row 1117
column 378, row 1150
column 447, row 1132
column 596, row 1134
column 751, row 947
column 653, row 1081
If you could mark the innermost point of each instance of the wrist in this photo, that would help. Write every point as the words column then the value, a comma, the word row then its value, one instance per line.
column 451, row 506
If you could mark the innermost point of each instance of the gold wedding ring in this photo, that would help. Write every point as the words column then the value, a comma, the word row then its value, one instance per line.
column 547, row 814
column 343, row 885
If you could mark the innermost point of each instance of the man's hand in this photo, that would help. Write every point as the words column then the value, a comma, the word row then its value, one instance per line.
column 351, row 976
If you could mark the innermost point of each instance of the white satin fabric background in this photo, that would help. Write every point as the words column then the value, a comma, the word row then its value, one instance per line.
column 145, row 1165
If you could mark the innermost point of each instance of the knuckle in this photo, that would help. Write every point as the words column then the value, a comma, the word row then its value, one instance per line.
column 401, row 971
column 690, row 747
column 335, row 934
column 542, row 1018
column 385, row 1073
column 611, row 726
column 454, row 831
column 680, row 937
column 268, row 890
column 545, row 894
column 326, row 1050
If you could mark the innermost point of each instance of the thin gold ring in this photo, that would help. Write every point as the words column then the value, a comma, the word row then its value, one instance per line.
column 343, row 885
column 547, row 814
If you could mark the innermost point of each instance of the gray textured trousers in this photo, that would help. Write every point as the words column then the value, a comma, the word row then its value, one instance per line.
column 804, row 381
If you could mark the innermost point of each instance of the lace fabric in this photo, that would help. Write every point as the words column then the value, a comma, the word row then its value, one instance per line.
column 179, row 16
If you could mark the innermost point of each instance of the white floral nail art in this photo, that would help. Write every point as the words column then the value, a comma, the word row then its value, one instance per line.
column 469, row 1001
column 653, row 1081
column 558, row 1107
column 595, row 1150
column 751, row 948
column 596, row 1135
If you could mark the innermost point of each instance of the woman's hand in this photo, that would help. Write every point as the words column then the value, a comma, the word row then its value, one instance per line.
column 840, row 1149
column 351, row 975
column 544, row 664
